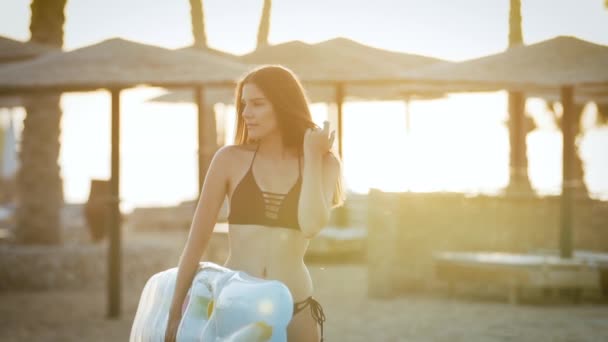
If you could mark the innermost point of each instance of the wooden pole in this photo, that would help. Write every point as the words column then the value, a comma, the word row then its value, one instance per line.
column 519, row 181
column 408, row 137
column 114, row 229
column 199, row 95
column 340, row 213
column 568, row 135
column 339, row 104
column 408, row 126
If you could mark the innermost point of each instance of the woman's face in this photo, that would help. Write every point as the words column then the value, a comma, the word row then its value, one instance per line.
column 258, row 114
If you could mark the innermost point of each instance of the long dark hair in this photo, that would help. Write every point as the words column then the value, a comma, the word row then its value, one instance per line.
column 285, row 92
column 282, row 88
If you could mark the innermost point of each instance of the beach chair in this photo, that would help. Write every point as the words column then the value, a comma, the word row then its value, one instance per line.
column 516, row 271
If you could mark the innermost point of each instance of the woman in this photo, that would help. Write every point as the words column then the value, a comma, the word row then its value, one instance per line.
column 281, row 180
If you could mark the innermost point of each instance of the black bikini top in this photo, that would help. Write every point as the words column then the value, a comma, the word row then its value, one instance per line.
column 250, row 205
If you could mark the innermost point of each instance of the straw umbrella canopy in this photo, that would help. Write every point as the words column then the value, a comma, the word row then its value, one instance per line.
column 13, row 50
column 117, row 64
column 320, row 67
column 328, row 67
column 398, row 61
column 404, row 60
column 212, row 95
column 562, row 64
column 542, row 67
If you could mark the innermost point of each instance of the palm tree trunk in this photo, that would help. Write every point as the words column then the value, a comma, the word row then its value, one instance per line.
column 198, row 24
column 519, row 181
column 516, row 36
column 39, row 184
column 578, row 172
column 264, row 28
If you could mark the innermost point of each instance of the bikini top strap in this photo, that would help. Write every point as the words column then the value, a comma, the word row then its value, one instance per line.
column 254, row 154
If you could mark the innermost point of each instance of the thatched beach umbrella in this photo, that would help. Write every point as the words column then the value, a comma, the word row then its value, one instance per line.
column 544, row 66
column 406, row 61
column 212, row 95
column 13, row 50
column 117, row 64
column 327, row 67
column 560, row 65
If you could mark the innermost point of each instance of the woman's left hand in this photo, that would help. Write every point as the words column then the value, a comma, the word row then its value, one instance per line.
column 318, row 141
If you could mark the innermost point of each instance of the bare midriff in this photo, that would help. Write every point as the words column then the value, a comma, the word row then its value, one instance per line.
column 271, row 253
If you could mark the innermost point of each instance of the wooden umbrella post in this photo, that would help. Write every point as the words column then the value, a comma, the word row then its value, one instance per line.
column 199, row 96
column 341, row 213
column 114, row 229
column 408, row 126
column 565, row 239
column 519, row 182
column 339, row 104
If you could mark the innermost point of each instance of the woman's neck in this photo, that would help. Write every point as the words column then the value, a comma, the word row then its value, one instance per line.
column 272, row 147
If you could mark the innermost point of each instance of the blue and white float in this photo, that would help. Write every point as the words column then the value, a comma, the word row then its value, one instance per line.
column 222, row 305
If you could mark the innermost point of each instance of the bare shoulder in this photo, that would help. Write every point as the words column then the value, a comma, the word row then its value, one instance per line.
column 231, row 155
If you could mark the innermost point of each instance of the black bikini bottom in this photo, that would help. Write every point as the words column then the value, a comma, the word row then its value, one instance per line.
column 316, row 311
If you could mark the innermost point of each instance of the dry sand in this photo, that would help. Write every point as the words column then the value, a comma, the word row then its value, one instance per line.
column 351, row 315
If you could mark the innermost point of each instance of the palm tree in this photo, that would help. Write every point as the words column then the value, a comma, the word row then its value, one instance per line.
column 578, row 172
column 198, row 24
column 39, row 184
column 264, row 28
column 519, row 181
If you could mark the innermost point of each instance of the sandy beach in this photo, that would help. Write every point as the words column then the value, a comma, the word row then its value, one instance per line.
column 351, row 315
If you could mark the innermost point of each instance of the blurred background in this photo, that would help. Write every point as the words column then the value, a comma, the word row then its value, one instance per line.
column 457, row 224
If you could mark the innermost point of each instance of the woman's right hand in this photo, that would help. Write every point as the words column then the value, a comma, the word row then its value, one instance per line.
column 171, row 332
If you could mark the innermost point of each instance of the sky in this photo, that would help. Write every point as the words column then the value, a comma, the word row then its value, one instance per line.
column 434, row 157
column 449, row 29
